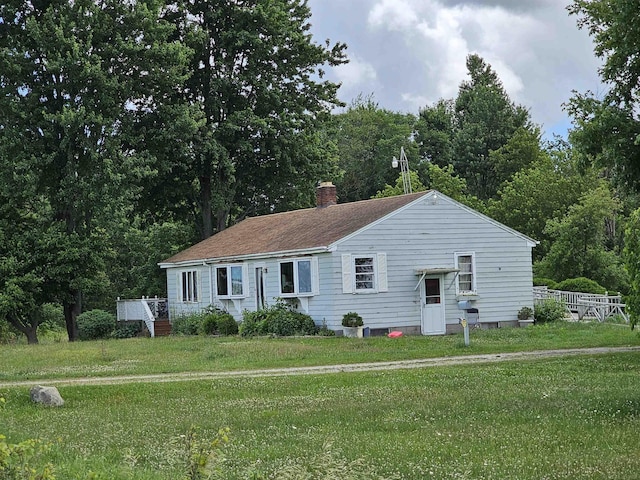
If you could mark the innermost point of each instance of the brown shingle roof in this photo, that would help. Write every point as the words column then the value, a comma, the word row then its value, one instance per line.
column 296, row 230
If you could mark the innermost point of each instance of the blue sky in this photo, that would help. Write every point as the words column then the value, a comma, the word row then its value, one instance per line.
column 410, row 53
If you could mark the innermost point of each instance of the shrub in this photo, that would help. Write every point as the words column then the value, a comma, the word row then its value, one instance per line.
column 8, row 334
column 541, row 281
column 550, row 310
column 209, row 324
column 52, row 318
column 581, row 284
column 227, row 325
column 280, row 319
column 254, row 323
column 95, row 324
column 352, row 319
column 127, row 330
column 525, row 313
column 187, row 324
column 217, row 322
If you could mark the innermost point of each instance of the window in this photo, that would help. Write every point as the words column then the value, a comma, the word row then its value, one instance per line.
column 296, row 277
column 364, row 273
column 466, row 276
column 189, row 286
column 230, row 281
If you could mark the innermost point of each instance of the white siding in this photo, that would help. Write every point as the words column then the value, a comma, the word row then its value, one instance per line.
column 425, row 234
column 176, row 306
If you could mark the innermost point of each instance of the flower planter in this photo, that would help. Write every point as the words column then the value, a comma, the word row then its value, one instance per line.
column 525, row 323
column 352, row 332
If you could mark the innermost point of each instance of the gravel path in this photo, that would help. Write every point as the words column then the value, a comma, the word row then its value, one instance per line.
column 356, row 367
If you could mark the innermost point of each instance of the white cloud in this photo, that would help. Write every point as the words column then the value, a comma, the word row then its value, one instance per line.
column 395, row 14
column 411, row 53
column 356, row 73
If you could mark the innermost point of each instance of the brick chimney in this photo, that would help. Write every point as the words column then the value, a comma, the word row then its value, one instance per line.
column 326, row 195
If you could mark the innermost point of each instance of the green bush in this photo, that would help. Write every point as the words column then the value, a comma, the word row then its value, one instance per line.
column 227, row 325
column 187, row 324
column 581, row 284
column 550, row 310
column 280, row 319
column 541, row 281
column 209, row 324
column 254, row 323
column 8, row 334
column 95, row 324
column 352, row 319
column 52, row 318
column 127, row 330
column 525, row 313
column 218, row 322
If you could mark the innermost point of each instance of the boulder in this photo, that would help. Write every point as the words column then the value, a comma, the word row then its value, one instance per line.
column 48, row 396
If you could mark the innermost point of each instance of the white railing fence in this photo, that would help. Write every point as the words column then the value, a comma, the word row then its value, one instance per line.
column 143, row 309
column 584, row 305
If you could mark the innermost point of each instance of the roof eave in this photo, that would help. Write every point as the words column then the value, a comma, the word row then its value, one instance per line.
column 239, row 258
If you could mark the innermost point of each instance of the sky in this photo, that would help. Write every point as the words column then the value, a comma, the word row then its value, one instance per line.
column 411, row 53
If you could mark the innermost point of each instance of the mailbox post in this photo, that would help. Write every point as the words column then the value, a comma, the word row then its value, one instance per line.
column 465, row 305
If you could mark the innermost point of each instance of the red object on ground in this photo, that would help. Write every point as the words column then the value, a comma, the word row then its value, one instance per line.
column 394, row 334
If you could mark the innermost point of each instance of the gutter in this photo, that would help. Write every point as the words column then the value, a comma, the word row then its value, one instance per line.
column 237, row 258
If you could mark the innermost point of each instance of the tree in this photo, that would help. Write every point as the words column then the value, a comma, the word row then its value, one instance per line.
column 398, row 188
column 541, row 192
column 75, row 77
column 367, row 138
column 608, row 129
column 579, row 248
column 252, row 105
column 632, row 264
column 485, row 121
column 434, row 132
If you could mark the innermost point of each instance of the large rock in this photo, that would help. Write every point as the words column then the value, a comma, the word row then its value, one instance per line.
column 48, row 396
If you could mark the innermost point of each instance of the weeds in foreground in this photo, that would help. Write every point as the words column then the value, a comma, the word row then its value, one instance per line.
column 203, row 457
column 17, row 460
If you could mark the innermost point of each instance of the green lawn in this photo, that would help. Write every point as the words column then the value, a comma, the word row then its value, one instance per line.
column 199, row 354
column 570, row 418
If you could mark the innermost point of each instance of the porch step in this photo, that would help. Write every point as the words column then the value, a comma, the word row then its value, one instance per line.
column 162, row 328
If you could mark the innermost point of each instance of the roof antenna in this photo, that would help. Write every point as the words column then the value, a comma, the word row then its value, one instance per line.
column 404, row 170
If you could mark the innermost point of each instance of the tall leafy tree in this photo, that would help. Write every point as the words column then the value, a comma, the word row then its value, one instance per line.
column 608, row 128
column 251, row 107
column 485, row 121
column 632, row 264
column 434, row 132
column 368, row 137
column 75, row 77
column 542, row 191
column 580, row 243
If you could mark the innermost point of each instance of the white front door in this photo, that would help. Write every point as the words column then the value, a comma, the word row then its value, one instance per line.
column 433, row 321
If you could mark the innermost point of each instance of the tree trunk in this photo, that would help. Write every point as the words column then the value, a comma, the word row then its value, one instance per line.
column 30, row 330
column 222, row 216
column 205, row 206
column 32, row 335
column 72, row 309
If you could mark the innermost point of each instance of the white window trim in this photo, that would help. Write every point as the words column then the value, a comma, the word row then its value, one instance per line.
column 197, row 290
column 474, row 273
column 245, row 279
column 314, row 277
column 379, row 273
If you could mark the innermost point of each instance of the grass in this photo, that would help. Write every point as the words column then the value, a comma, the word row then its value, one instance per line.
column 199, row 354
column 561, row 418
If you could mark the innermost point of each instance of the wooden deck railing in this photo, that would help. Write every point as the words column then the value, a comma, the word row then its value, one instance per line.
column 584, row 305
column 143, row 309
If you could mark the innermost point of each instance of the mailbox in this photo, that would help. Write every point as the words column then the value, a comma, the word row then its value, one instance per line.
column 464, row 305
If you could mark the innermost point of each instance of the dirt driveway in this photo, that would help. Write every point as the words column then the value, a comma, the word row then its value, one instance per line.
column 323, row 369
